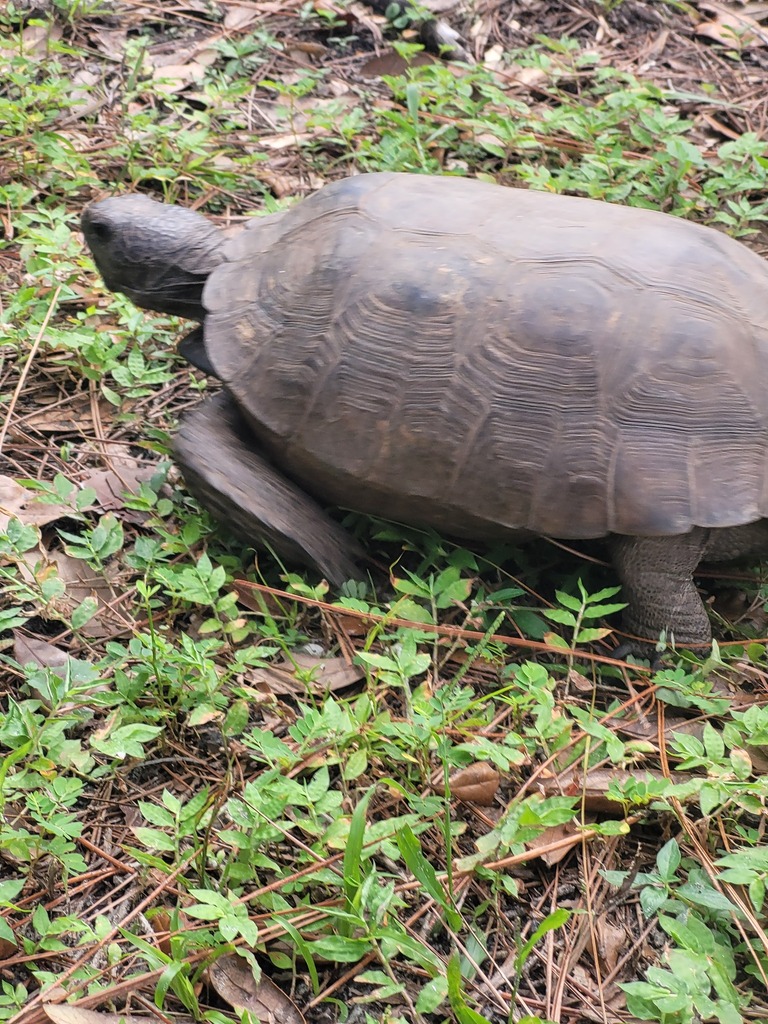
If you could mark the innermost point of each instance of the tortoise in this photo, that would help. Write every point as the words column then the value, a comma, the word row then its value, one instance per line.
column 486, row 361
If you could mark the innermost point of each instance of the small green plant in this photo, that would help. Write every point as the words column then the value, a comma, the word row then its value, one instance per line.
column 575, row 611
column 696, row 981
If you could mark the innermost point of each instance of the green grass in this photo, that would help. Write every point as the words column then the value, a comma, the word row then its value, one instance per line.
column 184, row 776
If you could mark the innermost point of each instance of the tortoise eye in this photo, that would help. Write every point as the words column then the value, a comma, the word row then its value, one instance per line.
column 101, row 231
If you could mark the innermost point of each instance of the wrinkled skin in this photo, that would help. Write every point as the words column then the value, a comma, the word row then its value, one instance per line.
column 369, row 333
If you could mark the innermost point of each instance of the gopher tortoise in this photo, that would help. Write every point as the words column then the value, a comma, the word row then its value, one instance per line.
column 485, row 361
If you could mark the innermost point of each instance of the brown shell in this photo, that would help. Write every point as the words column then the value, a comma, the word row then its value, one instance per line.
column 466, row 356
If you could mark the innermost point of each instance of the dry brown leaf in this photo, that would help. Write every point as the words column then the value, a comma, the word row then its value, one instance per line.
column 593, row 786
column 531, row 78
column 328, row 675
column 439, row 6
column 126, row 474
column 233, row 980
column 175, row 77
column 73, row 415
column 285, row 140
column 37, row 37
column 160, row 920
column 478, row 783
column 731, row 27
column 579, row 682
column 80, row 581
column 555, row 842
column 109, row 41
column 29, row 650
column 303, row 46
column 735, row 606
column 282, row 185
column 392, row 63
column 612, row 940
column 16, row 502
column 240, row 16
column 494, row 56
column 71, row 1013
column 84, row 97
column 488, row 141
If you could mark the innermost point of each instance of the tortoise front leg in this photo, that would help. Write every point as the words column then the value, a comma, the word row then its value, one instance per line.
column 240, row 487
column 656, row 575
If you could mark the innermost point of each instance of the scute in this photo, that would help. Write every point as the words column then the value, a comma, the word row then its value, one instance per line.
column 538, row 366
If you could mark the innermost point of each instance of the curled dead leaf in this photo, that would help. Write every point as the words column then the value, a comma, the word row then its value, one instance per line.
column 612, row 941
column 240, row 16
column 478, row 783
column 16, row 502
column 322, row 675
column 71, row 1013
column 125, row 475
column 592, row 786
column 731, row 27
column 75, row 415
column 232, row 978
column 28, row 650
column 555, row 842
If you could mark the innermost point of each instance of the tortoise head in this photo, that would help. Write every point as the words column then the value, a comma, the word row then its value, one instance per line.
column 160, row 256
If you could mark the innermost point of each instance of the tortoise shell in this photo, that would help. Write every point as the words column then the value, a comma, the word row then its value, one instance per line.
column 485, row 359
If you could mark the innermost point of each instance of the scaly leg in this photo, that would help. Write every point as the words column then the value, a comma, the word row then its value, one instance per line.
column 241, row 488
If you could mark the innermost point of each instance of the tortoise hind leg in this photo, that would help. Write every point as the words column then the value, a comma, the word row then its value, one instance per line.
column 227, row 474
column 656, row 575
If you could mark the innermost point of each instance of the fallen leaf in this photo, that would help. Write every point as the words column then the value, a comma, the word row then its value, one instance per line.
column 328, row 675
column 71, row 1013
column 612, row 940
column 281, row 185
column 735, row 606
column 731, row 27
column 233, row 980
column 529, row 77
column 240, row 16
column 29, row 650
column 592, row 786
column 302, row 46
column 80, row 582
column 392, row 63
column 109, row 41
column 285, row 140
column 494, row 56
column 439, row 6
column 16, row 502
column 555, row 842
column 478, row 783
column 54, row 416
column 174, row 77
column 579, row 682
column 125, row 474
column 37, row 37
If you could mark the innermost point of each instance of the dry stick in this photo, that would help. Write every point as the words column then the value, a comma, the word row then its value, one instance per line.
column 60, row 993
column 454, row 632
column 27, row 367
